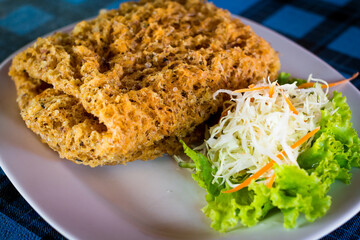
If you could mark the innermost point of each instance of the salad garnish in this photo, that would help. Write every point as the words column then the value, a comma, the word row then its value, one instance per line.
column 268, row 166
column 278, row 145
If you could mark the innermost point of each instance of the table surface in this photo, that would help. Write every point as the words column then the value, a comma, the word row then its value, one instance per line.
column 328, row 28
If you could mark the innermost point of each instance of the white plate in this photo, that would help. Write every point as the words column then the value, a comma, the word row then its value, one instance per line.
column 148, row 200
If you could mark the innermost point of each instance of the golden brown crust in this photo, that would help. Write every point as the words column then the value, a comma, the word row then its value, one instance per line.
column 134, row 80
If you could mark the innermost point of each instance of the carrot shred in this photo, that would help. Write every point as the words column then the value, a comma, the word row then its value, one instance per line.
column 299, row 142
column 250, row 89
column 305, row 138
column 345, row 80
column 311, row 84
column 271, row 181
column 306, row 85
column 251, row 86
column 272, row 90
column 271, row 163
column 281, row 154
column 292, row 108
column 254, row 176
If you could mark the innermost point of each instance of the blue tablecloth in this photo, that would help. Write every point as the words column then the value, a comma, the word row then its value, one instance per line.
column 328, row 28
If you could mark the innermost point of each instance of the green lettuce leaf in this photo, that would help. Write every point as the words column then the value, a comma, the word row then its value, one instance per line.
column 296, row 192
column 285, row 78
column 248, row 206
column 320, row 158
column 204, row 171
column 336, row 148
column 222, row 210
column 340, row 126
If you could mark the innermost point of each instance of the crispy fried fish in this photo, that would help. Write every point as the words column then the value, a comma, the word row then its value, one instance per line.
column 130, row 83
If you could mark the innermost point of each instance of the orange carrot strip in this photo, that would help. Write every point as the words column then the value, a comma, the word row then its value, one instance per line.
column 271, row 163
column 311, row 84
column 281, row 154
column 307, row 85
column 343, row 81
column 271, row 181
column 292, row 108
column 251, row 86
column 272, row 90
column 299, row 142
column 305, row 138
column 250, row 89
column 254, row 176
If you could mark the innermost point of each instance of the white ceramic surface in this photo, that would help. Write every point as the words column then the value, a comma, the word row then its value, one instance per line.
column 148, row 200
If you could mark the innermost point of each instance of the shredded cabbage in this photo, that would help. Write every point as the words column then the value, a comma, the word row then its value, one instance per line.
column 257, row 127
